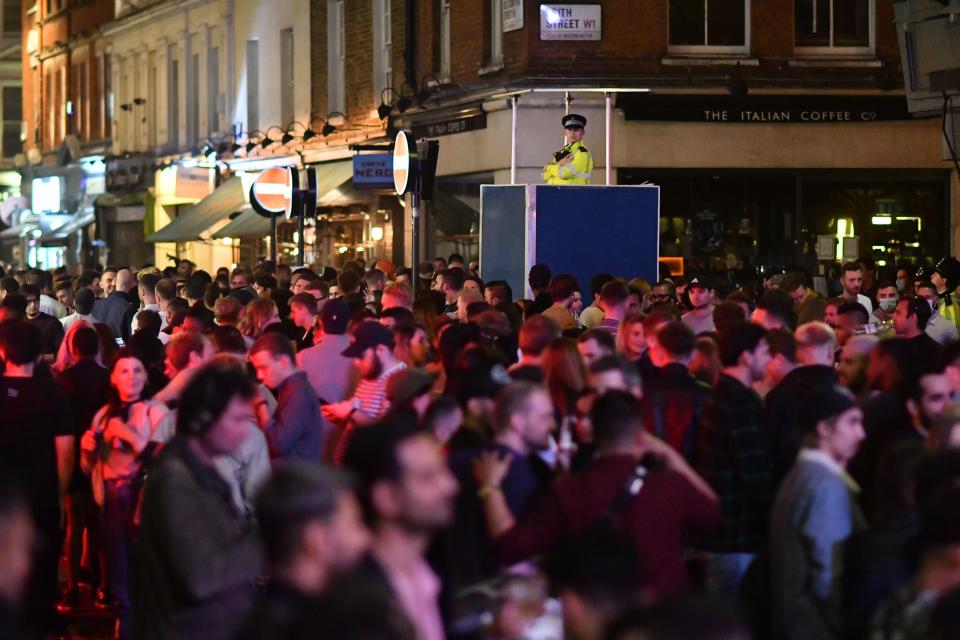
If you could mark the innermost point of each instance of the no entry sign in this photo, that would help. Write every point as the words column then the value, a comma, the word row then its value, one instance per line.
column 401, row 163
column 272, row 192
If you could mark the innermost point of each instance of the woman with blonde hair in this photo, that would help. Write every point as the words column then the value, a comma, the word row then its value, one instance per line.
column 631, row 341
column 261, row 313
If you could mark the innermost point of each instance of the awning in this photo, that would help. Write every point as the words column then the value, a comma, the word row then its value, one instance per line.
column 18, row 230
column 330, row 177
column 211, row 213
column 248, row 223
column 79, row 221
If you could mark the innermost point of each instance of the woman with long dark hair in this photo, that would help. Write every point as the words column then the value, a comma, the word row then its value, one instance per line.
column 113, row 452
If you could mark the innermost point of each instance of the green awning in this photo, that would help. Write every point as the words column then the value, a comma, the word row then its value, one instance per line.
column 248, row 223
column 211, row 213
column 330, row 177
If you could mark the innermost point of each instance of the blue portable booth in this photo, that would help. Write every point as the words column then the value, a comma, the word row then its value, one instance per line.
column 580, row 230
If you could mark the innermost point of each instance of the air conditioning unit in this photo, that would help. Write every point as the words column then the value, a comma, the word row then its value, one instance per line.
column 929, row 35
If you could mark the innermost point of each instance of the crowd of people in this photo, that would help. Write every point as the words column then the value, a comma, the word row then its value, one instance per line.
column 286, row 452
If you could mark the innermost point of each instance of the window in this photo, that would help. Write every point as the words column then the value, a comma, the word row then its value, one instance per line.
column 834, row 26
column 80, row 105
column 193, row 114
column 382, row 49
column 286, row 77
column 173, row 105
column 495, row 58
column 12, row 117
column 336, row 55
column 253, row 85
column 108, row 102
column 213, row 90
column 12, row 20
column 445, row 40
column 710, row 26
column 153, row 123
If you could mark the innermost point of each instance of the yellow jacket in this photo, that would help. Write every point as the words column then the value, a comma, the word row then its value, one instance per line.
column 576, row 172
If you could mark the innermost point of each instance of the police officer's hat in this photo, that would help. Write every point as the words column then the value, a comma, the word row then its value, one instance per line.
column 949, row 268
column 574, row 120
column 923, row 273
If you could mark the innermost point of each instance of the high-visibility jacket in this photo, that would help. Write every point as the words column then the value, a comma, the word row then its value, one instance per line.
column 948, row 304
column 576, row 172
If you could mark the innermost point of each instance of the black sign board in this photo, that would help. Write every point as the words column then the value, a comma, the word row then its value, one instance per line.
column 785, row 109
column 471, row 122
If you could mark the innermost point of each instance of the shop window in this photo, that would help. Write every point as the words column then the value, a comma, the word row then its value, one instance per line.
column 710, row 26
column 834, row 26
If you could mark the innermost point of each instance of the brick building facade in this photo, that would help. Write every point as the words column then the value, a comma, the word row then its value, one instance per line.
column 766, row 122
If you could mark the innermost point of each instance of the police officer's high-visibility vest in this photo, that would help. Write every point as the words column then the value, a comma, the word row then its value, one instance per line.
column 576, row 172
column 948, row 305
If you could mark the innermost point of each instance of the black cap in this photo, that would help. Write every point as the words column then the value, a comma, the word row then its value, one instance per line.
column 369, row 334
column 574, row 120
column 335, row 316
column 831, row 402
column 697, row 280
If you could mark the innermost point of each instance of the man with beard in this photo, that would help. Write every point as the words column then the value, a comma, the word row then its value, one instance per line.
column 372, row 351
column 294, row 429
column 408, row 494
column 313, row 533
column 733, row 456
column 524, row 420
column 700, row 317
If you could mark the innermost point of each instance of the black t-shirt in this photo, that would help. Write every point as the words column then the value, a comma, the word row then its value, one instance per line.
column 87, row 387
column 34, row 412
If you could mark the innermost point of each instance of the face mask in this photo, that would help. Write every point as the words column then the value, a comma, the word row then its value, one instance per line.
column 888, row 304
column 901, row 285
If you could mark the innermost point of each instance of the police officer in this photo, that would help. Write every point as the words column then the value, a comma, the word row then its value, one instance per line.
column 944, row 277
column 574, row 163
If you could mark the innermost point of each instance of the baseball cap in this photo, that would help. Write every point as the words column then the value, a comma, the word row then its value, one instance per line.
column 335, row 316
column 369, row 334
column 698, row 280
column 408, row 383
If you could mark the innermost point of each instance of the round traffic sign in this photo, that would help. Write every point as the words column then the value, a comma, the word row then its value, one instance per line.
column 401, row 163
column 273, row 191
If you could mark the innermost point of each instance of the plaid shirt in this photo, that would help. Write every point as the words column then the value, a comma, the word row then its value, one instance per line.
column 733, row 456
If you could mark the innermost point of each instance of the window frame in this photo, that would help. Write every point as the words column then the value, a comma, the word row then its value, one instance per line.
column 336, row 56
column 496, row 34
column 445, row 70
column 834, row 51
column 382, row 48
column 707, row 49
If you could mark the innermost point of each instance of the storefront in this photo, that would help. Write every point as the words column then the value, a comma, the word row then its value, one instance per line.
column 747, row 182
column 757, row 182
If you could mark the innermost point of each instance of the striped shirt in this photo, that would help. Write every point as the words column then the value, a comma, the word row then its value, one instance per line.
column 372, row 398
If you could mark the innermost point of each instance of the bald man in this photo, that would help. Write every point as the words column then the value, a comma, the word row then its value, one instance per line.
column 118, row 308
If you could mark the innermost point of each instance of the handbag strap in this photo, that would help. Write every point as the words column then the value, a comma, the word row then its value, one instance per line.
column 628, row 491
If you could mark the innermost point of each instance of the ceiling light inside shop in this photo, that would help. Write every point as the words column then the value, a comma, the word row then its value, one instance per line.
column 376, row 233
column 881, row 220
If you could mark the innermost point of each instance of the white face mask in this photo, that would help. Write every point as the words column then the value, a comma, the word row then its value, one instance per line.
column 901, row 285
column 887, row 304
